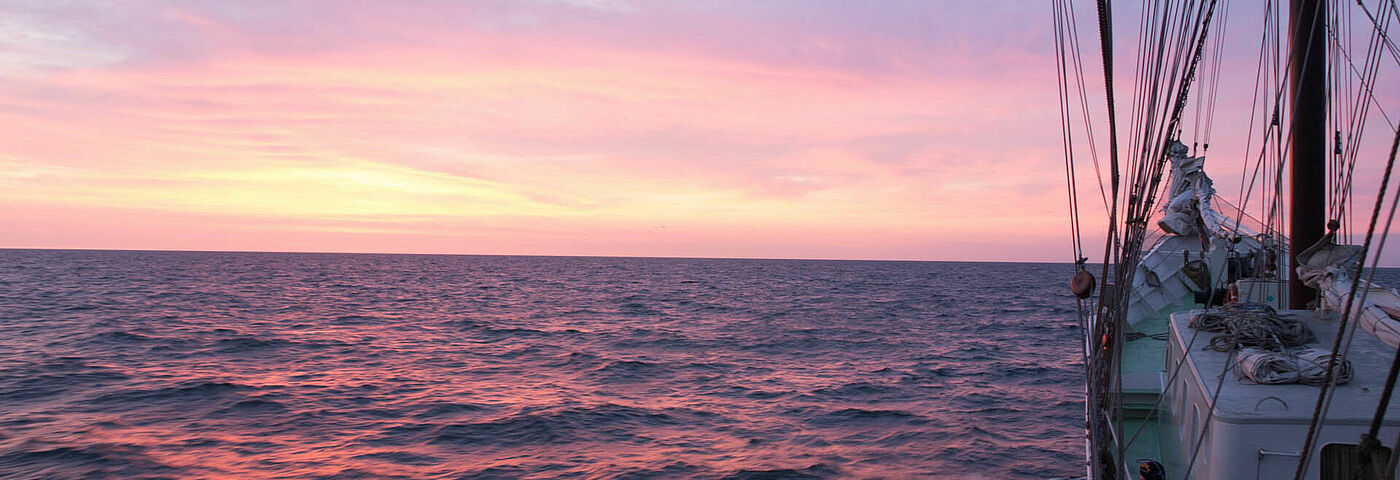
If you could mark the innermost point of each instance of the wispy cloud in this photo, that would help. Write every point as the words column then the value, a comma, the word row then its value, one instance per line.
column 891, row 130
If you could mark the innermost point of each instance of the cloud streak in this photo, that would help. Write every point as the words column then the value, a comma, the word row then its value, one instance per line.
column 788, row 129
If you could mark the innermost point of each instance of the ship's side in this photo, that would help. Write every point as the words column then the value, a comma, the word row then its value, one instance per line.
column 1216, row 347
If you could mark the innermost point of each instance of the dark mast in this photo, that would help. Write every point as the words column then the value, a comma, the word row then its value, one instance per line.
column 1307, row 79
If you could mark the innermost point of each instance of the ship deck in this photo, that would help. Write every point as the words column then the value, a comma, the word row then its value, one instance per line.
column 1241, row 402
column 1144, row 375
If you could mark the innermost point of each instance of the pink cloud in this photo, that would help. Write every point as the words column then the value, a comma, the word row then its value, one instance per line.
column 899, row 130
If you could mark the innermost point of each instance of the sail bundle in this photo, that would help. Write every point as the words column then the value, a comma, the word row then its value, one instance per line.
column 1307, row 366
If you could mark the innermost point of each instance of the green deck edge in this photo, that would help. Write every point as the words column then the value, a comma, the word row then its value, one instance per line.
column 1144, row 369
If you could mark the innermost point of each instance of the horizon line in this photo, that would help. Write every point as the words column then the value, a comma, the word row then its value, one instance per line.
column 156, row 250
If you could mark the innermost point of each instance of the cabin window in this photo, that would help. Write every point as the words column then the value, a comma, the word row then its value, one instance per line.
column 1180, row 398
column 1204, row 436
column 1343, row 461
column 1195, row 426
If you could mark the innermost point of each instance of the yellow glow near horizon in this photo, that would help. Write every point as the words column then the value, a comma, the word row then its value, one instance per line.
column 494, row 143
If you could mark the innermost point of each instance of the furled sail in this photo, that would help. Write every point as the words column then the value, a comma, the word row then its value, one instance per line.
column 1191, row 193
column 1330, row 268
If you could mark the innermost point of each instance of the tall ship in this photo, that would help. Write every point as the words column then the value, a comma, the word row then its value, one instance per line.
column 1233, row 333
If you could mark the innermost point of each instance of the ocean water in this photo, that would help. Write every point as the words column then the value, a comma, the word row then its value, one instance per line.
column 250, row 365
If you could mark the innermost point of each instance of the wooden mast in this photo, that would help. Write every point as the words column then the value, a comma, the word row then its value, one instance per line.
column 1307, row 79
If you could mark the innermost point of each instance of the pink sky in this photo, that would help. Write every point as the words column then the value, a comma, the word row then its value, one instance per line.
column 796, row 129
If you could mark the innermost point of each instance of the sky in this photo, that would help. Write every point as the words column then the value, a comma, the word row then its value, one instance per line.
column 782, row 129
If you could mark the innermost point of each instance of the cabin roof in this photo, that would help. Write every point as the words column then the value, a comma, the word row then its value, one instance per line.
column 1240, row 401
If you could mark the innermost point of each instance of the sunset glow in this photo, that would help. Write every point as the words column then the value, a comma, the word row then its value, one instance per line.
column 578, row 127
column 574, row 127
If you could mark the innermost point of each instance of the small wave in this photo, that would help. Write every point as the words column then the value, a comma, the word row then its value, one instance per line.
column 575, row 360
column 766, row 394
column 122, row 336
column 976, row 432
column 814, row 472
column 674, row 470
column 861, row 416
column 628, row 367
column 668, row 343
column 248, row 344
column 450, row 409
column 992, row 411
column 51, row 379
column 464, row 323
column 102, row 460
column 1022, row 371
column 607, row 422
column 357, row 320
column 926, row 374
column 180, row 394
column 531, row 353
column 710, row 367
column 638, row 309
column 859, row 389
column 513, row 332
column 401, row 458
column 255, row 406
column 498, row 472
column 625, row 371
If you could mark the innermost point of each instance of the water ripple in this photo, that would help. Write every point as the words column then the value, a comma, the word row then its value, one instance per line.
column 192, row 365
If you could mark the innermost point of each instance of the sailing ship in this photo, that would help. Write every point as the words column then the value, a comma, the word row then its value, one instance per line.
column 1219, row 344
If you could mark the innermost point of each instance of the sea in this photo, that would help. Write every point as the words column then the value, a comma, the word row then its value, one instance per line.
column 132, row 365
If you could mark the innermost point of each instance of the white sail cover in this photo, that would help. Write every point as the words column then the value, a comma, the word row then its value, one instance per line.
column 1329, row 268
column 1191, row 192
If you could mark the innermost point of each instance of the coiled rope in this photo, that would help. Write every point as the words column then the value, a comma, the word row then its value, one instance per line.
column 1307, row 366
column 1247, row 325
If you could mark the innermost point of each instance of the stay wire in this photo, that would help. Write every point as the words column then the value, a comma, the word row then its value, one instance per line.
column 1067, row 128
column 1259, row 75
column 1066, row 133
column 1323, row 394
column 1384, row 39
column 1379, row 416
column 1185, row 59
column 1351, row 66
column 1215, row 76
column 1073, row 23
column 1362, row 103
column 1350, row 330
column 1111, row 245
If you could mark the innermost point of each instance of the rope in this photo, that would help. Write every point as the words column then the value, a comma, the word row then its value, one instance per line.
column 1323, row 399
column 1250, row 325
column 1390, row 378
column 1073, row 30
column 1268, row 127
column 1097, row 432
column 1370, row 444
column 1360, row 109
column 1162, row 93
column 1066, row 129
column 1390, row 46
column 1351, row 65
